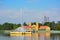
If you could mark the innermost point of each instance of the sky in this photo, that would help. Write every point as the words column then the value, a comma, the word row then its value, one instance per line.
column 19, row 11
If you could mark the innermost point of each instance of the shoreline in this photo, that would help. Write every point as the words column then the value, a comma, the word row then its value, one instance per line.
column 8, row 31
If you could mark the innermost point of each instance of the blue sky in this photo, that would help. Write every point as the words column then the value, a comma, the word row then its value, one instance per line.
column 19, row 11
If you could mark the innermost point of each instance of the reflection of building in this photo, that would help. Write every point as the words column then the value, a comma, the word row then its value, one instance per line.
column 35, row 36
column 46, row 28
column 44, row 36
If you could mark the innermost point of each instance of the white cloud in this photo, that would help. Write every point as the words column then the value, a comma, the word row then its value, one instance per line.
column 10, row 13
column 30, row 14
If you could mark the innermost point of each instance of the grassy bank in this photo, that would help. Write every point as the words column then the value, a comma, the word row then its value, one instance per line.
column 1, row 31
column 55, row 31
column 5, row 32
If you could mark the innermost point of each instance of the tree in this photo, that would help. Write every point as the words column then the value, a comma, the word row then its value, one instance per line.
column 58, row 22
column 7, row 26
column 24, row 24
column 39, row 24
column 15, row 26
column 34, row 23
column 58, row 27
column 19, row 25
column 52, row 25
column 1, row 27
column 48, row 24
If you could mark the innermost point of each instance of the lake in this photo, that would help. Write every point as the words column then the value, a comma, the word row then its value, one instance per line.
column 34, row 36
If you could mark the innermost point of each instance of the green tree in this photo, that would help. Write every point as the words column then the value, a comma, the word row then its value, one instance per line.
column 24, row 24
column 58, row 22
column 52, row 25
column 19, row 25
column 15, row 26
column 39, row 24
column 47, row 23
column 7, row 26
column 58, row 27
column 1, row 28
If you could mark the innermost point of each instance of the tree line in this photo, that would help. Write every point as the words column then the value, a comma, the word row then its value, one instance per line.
column 9, row 26
column 12, row 26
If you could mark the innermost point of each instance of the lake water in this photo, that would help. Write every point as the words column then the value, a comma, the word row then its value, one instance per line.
column 34, row 36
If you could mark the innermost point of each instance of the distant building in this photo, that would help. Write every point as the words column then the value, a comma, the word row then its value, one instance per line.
column 46, row 28
column 46, row 19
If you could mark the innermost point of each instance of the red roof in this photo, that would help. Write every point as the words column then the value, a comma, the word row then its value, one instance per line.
column 43, row 27
column 27, row 27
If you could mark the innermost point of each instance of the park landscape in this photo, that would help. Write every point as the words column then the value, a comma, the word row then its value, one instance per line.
column 29, row 19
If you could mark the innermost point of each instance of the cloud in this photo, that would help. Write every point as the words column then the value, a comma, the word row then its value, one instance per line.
column 29, row 15
column 38, row 15
column 10, row 13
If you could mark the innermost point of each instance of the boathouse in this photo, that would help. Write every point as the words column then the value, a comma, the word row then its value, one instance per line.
column 46, row 28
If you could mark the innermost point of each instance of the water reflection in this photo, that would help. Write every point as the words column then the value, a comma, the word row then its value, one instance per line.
column 55, row 36
column 41, row 36
column 44, row 36
column 21, row 38
column 33, row 36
